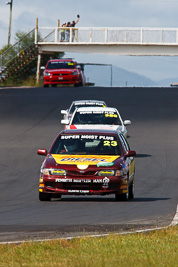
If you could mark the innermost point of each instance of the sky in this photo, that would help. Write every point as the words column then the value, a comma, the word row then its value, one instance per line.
column 98, row 13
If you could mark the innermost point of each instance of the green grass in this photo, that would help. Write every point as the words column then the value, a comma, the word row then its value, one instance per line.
column 28, row 82
column 155, row 248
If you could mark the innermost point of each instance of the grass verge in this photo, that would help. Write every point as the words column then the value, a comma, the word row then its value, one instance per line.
column 155, row 248
column 28, row 82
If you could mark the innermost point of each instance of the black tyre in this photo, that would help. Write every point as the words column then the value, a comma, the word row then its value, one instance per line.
column 46, row 85
column 131, row 191
column 44, row 196
column 121, row 197
column 54, row 85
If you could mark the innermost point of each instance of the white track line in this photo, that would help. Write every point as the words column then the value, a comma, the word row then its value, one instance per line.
column 175, row 219
column 173, row 223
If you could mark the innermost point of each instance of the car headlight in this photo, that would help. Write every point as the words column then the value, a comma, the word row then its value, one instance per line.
column 47, row 74
column 74, row 73
column 110, row 173
column 106, row 173
column 119, row 173
column 53, row 172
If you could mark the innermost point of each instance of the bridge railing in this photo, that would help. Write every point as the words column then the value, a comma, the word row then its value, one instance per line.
column 122, row 35
column 13, row 51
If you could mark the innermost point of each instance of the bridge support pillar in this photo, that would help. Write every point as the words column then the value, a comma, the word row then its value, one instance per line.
column 38, row 68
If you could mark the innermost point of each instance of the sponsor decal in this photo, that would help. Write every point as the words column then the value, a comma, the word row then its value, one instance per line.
column 105, row 183
column 79, row 191
column 110, row 143
column 105, row 112
column 70, row 137
column 61, row 62
column 62, row 180
column 87, row 136
column 82, row 160
column 81, row 181
column 105, row 164
column 111, row 115
column 90, row 103
column 97, row 180
column 85, row 112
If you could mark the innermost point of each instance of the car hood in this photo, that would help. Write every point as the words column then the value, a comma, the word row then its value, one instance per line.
column 60, row 70
column 81, row 162
column 96, row 126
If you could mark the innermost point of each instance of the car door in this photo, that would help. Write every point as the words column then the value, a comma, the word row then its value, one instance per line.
column 130, row 160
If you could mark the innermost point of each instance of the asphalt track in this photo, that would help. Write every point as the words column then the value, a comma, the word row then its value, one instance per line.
column 30, row 119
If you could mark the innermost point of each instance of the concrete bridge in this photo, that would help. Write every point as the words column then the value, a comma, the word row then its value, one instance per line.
column 113, row 40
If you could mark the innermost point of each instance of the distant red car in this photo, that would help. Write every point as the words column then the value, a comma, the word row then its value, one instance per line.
column 87, row 162
column 62, row 71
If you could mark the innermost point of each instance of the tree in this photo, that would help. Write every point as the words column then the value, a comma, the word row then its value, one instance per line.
column 20, row 59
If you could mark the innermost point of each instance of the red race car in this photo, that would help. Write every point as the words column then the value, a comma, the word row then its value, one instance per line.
column 87, row 162
column 62, row 71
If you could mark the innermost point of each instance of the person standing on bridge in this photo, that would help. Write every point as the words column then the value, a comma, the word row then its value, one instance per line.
column 63, row 32
column 68, row 32
column 75, row 22
column 73, row 25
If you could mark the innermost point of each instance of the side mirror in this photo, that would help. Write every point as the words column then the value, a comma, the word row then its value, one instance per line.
column 42, row 152
column 66, row 122
column 64, row 112
column 127, row 122
column 130, row 153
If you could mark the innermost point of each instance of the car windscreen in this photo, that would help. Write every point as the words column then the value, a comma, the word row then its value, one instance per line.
column 92, row 117
column 76, row 106
column 60, row 65
column 87, row 145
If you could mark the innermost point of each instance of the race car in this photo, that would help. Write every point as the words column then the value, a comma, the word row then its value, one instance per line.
column 62, row 71
column 97, row 118
column 81, row 103
column 87, row 162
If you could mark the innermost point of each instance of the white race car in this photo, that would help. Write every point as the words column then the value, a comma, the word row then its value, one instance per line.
column 81, row 103
column 97, row 118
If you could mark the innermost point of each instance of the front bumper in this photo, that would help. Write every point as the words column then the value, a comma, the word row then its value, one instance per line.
column 83, row 186
column 66, row 79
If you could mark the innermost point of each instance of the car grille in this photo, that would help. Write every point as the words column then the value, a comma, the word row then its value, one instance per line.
column 60, row 81
column 56, row 74
column 75, row 173
column 80, row 186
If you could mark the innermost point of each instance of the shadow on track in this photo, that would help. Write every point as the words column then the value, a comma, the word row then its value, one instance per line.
column 143, row 155
column 85, row 199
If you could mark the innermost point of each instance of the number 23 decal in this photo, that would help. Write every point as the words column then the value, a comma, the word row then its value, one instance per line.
column 110, row 143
